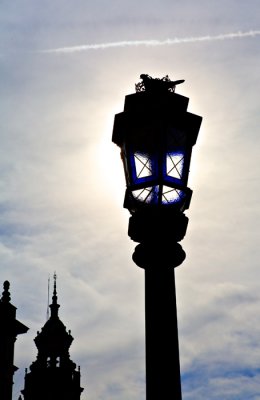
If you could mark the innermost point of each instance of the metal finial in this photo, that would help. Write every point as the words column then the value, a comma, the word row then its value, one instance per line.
column 6, row 294
column 156, row 85
column 54, row 297
column 55, row 280
column 54, row 306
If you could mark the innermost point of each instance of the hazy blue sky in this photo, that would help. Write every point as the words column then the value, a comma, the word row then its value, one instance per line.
column 62, row 185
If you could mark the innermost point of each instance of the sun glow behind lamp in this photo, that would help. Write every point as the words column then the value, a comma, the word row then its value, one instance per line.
column 156, row 134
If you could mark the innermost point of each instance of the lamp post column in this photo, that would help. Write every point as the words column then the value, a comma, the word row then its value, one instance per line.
column 162, row 348
column 158, row 256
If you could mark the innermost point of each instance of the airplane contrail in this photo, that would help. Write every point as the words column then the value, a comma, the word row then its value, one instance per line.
column 152, row 43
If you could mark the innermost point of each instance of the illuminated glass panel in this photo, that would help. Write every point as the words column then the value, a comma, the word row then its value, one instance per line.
column 171, row 195
column 174, row 164
column 147, row 195
column 143, row 165
column 152, row 195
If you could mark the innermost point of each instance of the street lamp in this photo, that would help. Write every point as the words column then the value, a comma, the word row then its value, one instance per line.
column 156, row 134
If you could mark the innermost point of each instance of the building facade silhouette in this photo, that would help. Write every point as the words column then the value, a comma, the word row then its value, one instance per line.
column 9, row 329
column 53, row 375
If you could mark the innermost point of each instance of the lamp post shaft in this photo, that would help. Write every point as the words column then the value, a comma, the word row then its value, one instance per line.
column 162, row 348
column 159, row 258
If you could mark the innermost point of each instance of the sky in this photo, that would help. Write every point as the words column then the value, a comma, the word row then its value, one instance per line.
column 65, row 68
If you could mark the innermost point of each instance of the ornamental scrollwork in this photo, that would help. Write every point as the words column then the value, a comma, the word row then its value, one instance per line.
column 150, row 84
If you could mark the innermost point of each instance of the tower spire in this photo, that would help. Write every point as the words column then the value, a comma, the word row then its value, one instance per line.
column 54, row 306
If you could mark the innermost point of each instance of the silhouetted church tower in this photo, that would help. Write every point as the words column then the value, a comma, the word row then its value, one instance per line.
column 53, row 376
column 9, row 329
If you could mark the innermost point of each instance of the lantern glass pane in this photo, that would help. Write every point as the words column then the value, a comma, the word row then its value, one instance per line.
column 147, row 195
column 143, row 165
column 171, row 195
column 175, row 164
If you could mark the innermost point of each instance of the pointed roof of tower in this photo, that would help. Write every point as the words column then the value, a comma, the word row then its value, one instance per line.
column 54, row 339
column 54, row 306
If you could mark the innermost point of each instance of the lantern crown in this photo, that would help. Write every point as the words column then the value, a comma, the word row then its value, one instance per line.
column 156, row 84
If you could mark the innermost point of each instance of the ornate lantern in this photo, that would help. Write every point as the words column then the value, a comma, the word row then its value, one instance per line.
column 156, row 134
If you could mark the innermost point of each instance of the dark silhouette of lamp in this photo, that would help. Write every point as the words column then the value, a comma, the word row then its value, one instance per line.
column 156, row 134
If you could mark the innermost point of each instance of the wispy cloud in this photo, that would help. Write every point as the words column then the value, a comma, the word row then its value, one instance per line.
column 152, row 42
